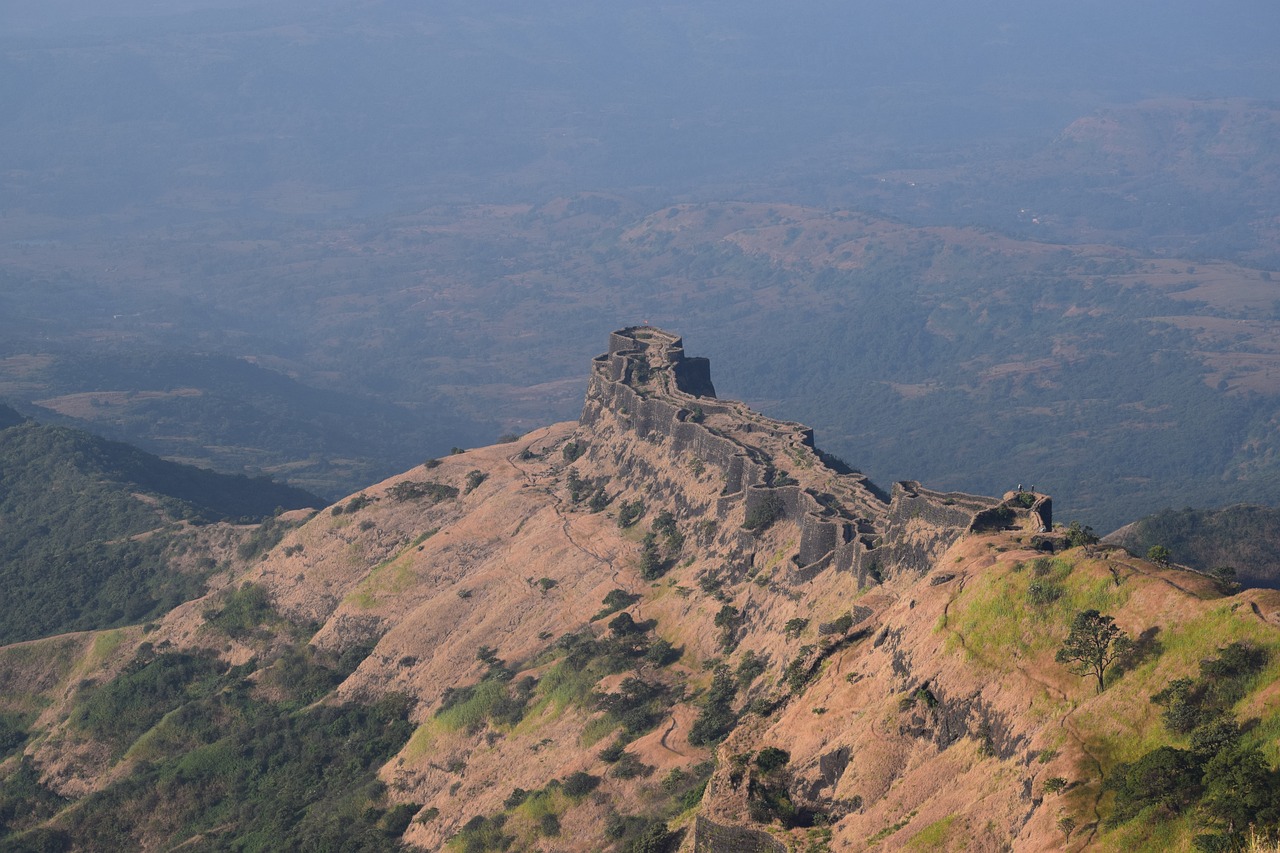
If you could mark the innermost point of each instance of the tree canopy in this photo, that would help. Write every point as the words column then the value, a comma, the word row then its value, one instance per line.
column 1094, row 643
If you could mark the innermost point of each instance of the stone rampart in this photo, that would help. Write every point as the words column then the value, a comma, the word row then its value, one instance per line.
column 711, row 837
column 648, row 385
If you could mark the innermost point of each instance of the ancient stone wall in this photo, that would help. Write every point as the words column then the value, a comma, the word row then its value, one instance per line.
column 710, row 837
column 647, row 383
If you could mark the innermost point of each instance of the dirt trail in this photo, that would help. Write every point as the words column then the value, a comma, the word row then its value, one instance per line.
column 671, row 727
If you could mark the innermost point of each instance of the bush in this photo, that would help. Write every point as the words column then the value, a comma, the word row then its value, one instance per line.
column 840, row 625
column 474, row 479
column 1041, row 593
column 579, row 784
column 409, row 490
column 749, row 668
column 771, row 758
column 243, row 611
column 716, row 718
column 1165, row 777
column 614, row 751
column 764, row 513
column 629, row 766
column 728, row 620
column 652, row 566
column 794, row 627
column 1079, row 535
column 614, row 601
column 629, row 512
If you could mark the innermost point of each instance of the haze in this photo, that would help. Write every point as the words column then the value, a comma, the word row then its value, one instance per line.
column 418, row 220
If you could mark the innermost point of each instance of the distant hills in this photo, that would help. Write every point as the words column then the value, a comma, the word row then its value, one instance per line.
column 96, row 533
column 1064, row 260
column 1243, row 537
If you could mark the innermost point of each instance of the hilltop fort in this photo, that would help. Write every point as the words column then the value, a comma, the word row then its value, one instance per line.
column 773, row 470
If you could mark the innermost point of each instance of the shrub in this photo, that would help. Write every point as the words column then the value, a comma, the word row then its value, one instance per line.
column 1080, row 535
column 764, row 513
column 629, row 512
column 409, row 490
column 771, row 758
column 474, row 479
column 794, row 627
column 629, row 766
column 1165, row 777
column 243, row 611
column 652, row 566
column 615, row 600
column 749, row 668
column 716, row 718
column 728, row 620
column 579, row 784
column 613, row 751
column 662, row 653
column 798, row 671
column 1054, row 785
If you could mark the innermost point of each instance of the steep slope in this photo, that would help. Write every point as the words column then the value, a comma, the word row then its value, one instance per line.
column 96, row 534
column 673, row 622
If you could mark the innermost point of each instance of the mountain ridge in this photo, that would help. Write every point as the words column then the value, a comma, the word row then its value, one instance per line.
column 637, row 629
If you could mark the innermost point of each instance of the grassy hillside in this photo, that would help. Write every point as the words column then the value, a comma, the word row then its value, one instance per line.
column 505, row 662
column 93, row 530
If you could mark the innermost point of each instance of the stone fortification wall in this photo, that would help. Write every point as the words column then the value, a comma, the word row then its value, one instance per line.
column 923, row 523
column 647, row 383
column 711, row 837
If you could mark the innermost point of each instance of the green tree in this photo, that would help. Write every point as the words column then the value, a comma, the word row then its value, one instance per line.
column 1159, row 555
column 1081, row 535
column 1093, row 644
column 1240, row 789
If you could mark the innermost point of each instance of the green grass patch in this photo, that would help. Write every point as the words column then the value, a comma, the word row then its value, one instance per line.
column 998, row 614
column 104, row 645
column 597, row 729
column 934, row 836
column 472, row 713
column 424, row 537
column 388, row 578
column 1152, row 832
column 422, row 740
column 890, row 829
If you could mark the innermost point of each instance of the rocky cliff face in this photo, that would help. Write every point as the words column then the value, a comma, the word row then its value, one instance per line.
column 718, row 628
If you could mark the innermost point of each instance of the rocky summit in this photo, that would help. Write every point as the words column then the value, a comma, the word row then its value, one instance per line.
column 674, row 624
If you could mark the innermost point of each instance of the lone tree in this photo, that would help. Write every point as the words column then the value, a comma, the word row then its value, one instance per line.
column 1159, row 555
column 1093, row 645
